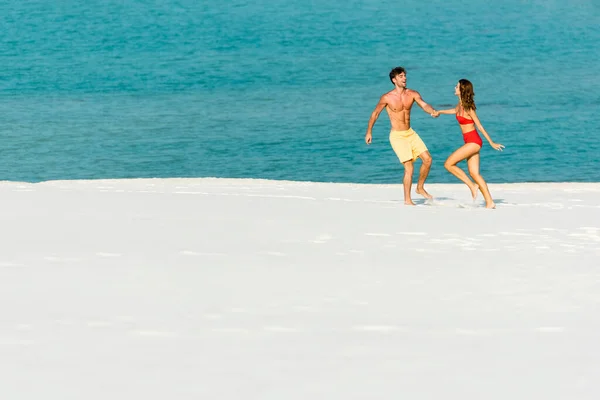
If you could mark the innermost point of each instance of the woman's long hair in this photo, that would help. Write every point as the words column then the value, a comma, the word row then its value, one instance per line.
column 466, row 95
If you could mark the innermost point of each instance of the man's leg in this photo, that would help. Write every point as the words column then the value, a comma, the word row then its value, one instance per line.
column 408, row 175
column 423, row 173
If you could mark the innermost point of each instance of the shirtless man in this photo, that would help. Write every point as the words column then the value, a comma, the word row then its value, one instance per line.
column 406, row 143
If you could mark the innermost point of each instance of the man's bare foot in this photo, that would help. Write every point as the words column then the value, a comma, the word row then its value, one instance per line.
column 409, row 203
column 491, row 205
column 424, row 193
column 474, row 191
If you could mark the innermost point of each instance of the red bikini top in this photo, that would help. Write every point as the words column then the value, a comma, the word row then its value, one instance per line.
column 463, row 120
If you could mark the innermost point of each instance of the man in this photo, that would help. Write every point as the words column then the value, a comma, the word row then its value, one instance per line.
column 406, row 143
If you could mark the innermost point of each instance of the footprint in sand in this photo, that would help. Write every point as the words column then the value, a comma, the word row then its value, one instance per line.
column 330, row 300
column 470, row 332
column 591, row 234
column 61, row 259
column 213, row 316
column 550, row 329
column 8, row 264
column 280, row 329
column 98, row 324
column 14, row 341
column 108, row 255
column 64, row 322
column 515, row 234
column 357, row 251
column 323, row 238
column 196, row 253
column 304, row 308
column 231, row 330
column 379, row 328
column 156, row 334
column 272, row 253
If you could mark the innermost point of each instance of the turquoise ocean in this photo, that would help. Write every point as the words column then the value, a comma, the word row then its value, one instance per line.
column 283, row 89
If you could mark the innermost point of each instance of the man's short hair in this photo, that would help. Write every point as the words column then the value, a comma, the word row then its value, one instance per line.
column 396, row 71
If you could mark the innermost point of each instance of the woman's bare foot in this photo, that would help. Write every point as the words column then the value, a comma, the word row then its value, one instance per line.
column 424, row 193
column 409, row 203
column 490, row 205
column 474, row 191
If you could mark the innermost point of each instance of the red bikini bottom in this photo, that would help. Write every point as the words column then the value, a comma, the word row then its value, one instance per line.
column 473, row 137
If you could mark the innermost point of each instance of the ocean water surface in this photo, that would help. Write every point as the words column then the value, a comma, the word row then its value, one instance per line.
column 284, row 89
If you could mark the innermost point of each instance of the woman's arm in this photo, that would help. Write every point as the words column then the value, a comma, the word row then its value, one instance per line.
column 475, row 118
column 448, row 111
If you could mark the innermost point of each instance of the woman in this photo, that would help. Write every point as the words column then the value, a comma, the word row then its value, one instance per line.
column 467, row 119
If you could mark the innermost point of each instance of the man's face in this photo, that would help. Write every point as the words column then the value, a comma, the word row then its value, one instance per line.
column 400, row 79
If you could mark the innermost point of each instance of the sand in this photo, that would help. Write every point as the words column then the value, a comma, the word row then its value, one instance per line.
column 253, row 289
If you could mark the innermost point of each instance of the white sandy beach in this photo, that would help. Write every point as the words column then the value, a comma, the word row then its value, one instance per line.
column 252, row 289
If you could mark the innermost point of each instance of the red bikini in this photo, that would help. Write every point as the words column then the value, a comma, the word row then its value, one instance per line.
column 471, row 136
column 463, row 120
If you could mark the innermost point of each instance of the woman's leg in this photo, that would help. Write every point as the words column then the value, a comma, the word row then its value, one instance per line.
column 473, row 164
column 464, row 152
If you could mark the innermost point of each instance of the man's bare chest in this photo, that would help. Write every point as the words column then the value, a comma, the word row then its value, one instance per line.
column 399, row 105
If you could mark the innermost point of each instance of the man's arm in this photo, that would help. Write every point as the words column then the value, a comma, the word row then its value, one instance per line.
column 374, row 115
column 426, row 107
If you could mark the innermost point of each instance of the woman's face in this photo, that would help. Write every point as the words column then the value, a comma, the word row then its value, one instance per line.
column 457, row 89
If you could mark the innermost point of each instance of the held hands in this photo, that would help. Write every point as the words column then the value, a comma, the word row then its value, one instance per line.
column 368, row 138
column 497, row 146
column 435, row 113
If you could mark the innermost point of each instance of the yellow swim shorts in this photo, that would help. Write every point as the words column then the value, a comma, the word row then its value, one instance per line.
column 407, row 145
